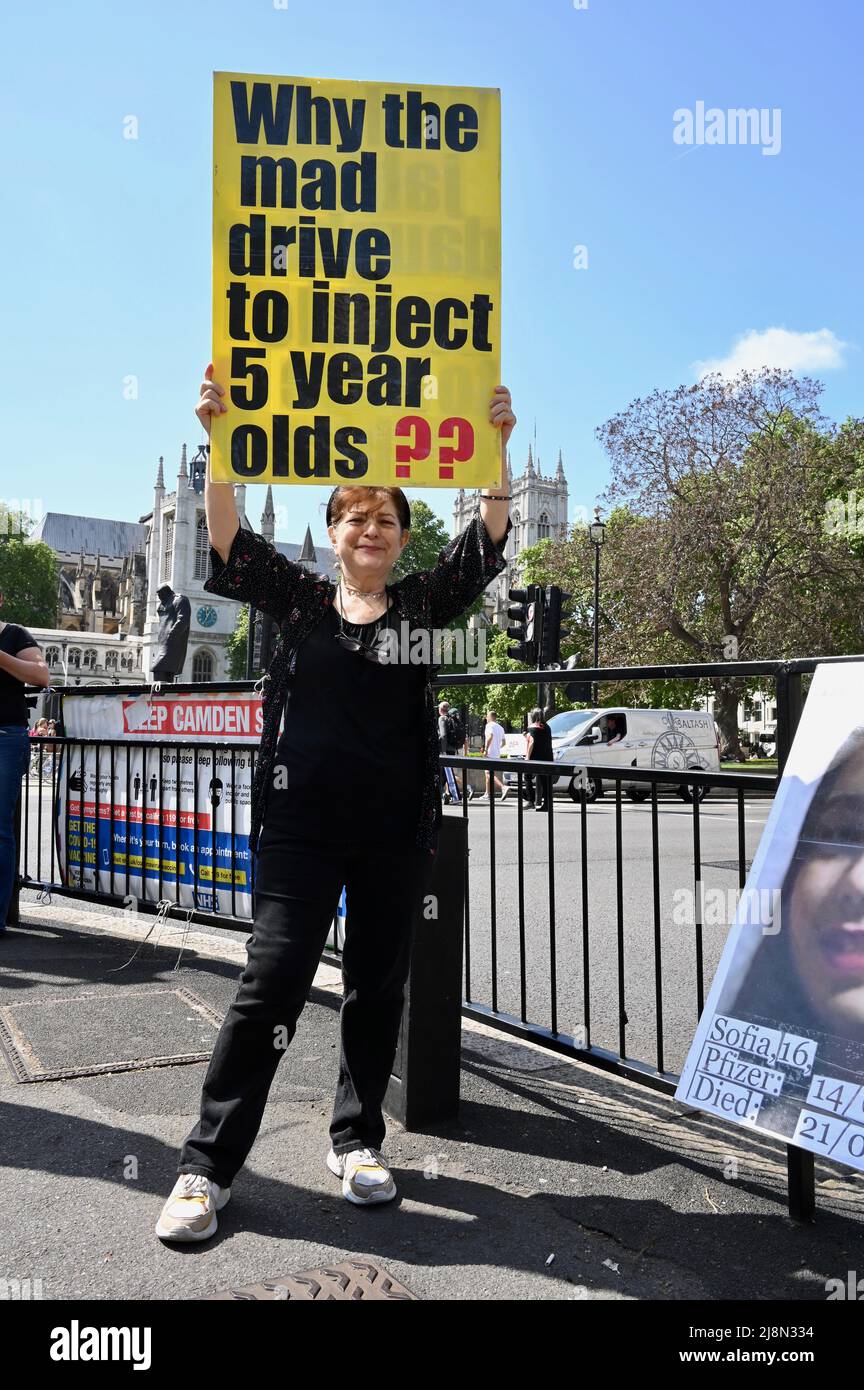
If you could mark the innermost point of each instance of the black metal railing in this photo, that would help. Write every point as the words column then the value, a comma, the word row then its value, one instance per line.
column 540, row 1024
column 547, row 1031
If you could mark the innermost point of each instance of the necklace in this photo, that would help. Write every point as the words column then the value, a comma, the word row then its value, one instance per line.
column 363, row 593
column 377, row 593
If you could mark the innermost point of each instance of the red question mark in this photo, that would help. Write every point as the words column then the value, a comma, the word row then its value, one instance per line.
column 449, row 454
column 420, row 446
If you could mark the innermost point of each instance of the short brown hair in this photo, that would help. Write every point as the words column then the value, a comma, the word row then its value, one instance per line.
column 341, row 498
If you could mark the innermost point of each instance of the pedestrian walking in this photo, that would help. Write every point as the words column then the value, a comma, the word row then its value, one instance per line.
column 494, row 737
column 451, row 739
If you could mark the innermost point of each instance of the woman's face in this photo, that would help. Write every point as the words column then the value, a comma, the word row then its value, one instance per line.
column 368, row 542
column 826, row 904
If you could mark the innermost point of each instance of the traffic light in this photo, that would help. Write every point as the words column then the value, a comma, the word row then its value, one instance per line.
column 577, row 691
column 554, row 631
column 525, row 615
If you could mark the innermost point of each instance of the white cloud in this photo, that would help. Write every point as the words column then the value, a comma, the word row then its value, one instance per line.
column 778, row 347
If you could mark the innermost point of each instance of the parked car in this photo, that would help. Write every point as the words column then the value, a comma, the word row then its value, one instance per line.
column 653, row 738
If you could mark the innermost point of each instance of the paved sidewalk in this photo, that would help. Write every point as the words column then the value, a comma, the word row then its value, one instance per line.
column 555, row 1182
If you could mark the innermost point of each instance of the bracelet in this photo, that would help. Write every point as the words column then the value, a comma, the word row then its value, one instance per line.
column 497, row 497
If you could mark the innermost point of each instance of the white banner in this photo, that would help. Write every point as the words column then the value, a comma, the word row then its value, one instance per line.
column 168, row 813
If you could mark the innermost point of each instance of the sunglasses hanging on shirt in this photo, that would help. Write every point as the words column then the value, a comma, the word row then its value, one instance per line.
column 354, row 644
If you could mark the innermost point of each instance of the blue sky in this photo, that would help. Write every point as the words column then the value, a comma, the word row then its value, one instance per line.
column 106, row 242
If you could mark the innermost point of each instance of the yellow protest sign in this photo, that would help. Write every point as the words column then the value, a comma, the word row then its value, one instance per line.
column 356, row 282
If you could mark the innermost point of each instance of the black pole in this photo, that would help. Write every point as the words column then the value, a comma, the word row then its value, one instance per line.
column 790, row 703
column 12, row 912
column 596, row 613
column 423, row 1090
column 536, row 592
column 801, row 1182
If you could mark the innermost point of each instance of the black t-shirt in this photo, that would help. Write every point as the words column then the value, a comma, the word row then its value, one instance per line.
column 541, row 735
column 349, row 762
column 13, row 709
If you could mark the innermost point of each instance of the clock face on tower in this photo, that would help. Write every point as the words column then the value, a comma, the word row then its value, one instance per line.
column 206, row 615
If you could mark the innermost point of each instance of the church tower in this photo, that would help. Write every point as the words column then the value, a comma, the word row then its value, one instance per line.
column 538, row 510
column 178, row 554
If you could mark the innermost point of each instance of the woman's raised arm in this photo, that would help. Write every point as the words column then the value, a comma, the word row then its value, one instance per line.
column 246, row 567
column 219, row 504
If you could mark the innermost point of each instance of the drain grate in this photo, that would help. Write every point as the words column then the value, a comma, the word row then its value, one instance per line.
column 61, row 1038
column 353, row 1280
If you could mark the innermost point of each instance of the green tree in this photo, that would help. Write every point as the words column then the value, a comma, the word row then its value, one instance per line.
column 237, row 644
column 627, row 634
column 14, row 522
column 427, row 538
column 717, row 546
column 28, row 576
column 510, row 702
column 723, row 541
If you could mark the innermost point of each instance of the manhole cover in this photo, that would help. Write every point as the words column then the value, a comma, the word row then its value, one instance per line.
column 353, row 1280
column 88, row 1034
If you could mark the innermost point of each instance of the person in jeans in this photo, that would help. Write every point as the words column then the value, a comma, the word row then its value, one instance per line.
column 448, row 743
column 341, row 806
column 21, row 663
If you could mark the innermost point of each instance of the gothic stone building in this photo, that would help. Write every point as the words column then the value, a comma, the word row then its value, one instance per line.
column 109, row 573
column 178, row 552
column 538, row 512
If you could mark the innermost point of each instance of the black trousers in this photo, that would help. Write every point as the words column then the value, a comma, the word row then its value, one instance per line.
column 543, row 788
column 297, row 891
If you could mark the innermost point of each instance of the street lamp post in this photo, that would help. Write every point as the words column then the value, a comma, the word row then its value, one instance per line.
column 597, row 535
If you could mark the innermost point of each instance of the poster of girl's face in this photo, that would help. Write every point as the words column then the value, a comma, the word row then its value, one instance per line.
column 780, row 1044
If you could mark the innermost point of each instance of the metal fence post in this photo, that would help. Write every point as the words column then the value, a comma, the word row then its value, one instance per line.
column 424, row 1084
column 801, row 1181
column 12, row 915
column 790, row 703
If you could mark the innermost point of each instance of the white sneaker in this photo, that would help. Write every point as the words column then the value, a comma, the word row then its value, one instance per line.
column 365, row 1176
column 190, row 1211
column 504, row 792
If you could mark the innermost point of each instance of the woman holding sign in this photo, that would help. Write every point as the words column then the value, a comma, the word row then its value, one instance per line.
column 375, row 829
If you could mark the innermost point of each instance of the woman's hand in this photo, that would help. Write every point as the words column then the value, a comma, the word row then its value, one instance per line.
column 501, row 413
column 210, row 402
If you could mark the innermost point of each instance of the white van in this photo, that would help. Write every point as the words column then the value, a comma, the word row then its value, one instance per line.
column 656, row 738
